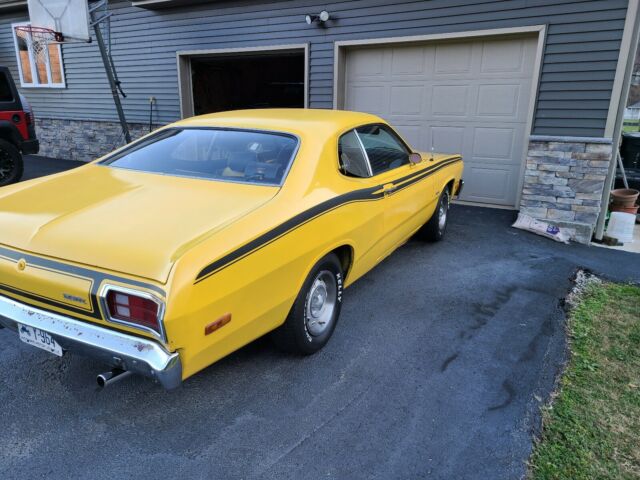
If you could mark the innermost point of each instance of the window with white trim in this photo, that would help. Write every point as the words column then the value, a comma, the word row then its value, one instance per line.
column 39, row 62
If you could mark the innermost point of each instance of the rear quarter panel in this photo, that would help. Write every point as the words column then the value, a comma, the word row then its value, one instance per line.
column 258, row 290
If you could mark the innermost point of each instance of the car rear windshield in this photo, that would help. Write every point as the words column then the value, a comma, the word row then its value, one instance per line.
column 244, row 156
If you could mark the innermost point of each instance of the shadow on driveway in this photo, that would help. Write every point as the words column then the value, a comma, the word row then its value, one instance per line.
column 437, row 369
column 38, row 166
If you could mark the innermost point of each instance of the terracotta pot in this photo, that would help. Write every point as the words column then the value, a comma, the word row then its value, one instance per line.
column 625, row 197
column 619, row 208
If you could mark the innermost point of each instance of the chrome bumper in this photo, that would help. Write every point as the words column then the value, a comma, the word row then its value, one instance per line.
column 127, row 352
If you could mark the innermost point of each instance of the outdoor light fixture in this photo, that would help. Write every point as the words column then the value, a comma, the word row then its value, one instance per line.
column 321, row 18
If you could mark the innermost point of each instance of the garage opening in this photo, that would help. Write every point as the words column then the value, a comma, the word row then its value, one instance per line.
column 249, row 80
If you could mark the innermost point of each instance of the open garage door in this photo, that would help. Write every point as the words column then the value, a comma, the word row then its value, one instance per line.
column 234, row 81
column 465, row 96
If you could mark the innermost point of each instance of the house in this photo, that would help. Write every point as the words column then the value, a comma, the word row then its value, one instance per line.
column 632, row 112
column 529, row 91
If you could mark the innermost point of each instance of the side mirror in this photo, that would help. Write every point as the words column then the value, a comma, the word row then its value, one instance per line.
column 415, row 158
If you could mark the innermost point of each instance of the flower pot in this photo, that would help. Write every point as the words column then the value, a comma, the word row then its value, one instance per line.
column 619, row 208
column 624, row 197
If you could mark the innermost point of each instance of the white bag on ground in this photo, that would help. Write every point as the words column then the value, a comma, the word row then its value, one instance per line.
column 530, row 224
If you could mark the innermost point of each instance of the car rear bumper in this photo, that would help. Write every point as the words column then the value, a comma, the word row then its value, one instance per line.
column 127, row 352
column 30, row 147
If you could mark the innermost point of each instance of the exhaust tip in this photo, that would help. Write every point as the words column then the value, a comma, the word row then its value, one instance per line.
column 102, row 380
column 107, row 378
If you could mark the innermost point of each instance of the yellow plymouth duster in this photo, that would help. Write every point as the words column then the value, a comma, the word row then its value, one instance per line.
column 175, row 250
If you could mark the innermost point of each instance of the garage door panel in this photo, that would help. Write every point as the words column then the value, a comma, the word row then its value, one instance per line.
column 492, row 185
column 447, row 139
column 498, row 100
column 368, row 98
column 450, row 100
column 494, row 144
column 470, row 97
column 407, row 99
column 366, row 63
column 453, row 58
column 408, row 60
column 505, row 56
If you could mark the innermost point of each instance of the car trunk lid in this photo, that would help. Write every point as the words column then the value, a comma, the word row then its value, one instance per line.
column 121, row 220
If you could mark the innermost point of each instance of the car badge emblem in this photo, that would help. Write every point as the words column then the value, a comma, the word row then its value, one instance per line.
column 73, row 298
column 22, row 264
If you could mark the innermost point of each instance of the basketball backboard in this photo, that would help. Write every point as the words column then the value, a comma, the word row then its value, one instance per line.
column 68, row 17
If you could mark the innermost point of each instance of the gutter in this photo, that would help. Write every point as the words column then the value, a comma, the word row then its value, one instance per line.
column 632, row 40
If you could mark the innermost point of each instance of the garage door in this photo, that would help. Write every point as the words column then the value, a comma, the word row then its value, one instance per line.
column 468, row 97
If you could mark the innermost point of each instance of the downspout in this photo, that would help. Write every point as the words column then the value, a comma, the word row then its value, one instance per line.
column 632, row 15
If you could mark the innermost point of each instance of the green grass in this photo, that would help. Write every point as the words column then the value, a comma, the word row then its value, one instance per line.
column 592, row 428
column 630, row 126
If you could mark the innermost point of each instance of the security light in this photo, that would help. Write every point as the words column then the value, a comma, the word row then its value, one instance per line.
column 320, row 18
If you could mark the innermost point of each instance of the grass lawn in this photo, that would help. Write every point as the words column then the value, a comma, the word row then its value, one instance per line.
column 592, row 429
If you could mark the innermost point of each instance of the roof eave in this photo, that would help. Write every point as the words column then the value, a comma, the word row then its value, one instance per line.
column 11, row 5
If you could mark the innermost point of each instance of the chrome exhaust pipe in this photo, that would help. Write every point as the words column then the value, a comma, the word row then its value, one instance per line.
column 109, row 378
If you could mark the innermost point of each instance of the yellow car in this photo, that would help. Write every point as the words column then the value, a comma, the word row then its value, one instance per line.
column 172, row 252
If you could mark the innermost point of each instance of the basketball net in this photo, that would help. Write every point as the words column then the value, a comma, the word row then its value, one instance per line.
column 38, row 38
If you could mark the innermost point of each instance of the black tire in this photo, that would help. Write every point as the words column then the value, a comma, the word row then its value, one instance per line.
column 11, row 164
column 435, row 228
column 297, row 334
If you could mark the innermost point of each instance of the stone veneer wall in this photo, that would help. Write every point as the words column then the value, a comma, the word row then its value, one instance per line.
column 564, row 180
column 83, row 140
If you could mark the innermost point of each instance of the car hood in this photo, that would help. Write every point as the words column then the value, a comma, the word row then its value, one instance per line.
column 121, row 220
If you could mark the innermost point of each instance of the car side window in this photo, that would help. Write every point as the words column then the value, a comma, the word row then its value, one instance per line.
column 384, row 149
column 353, row 162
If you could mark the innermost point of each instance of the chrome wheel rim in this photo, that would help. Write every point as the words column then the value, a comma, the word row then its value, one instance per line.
column 442, row 214
column 321, row 303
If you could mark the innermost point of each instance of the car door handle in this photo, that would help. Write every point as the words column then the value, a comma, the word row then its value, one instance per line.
column 389, row 188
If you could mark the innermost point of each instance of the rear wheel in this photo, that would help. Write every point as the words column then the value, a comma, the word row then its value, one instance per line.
column 11, row 165
column 435, row 228
column 315, row 312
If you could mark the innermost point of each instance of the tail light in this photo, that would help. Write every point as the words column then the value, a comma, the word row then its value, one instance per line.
column 135, row 309
column 28, row 111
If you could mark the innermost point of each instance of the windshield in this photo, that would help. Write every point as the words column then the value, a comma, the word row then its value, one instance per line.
column 212, row 153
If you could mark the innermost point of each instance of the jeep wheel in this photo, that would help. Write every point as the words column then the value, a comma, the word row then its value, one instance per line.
column 11, row 165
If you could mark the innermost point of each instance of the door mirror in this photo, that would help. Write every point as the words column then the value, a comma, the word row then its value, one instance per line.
column 415, row 158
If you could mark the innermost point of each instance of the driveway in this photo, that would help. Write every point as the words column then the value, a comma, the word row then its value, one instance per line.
column 437, row 369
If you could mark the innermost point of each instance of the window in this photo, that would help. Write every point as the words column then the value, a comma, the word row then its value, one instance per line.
column 243, row 156
column 6, row 93
column 384, row 149
column 39, row 62
column 353, row 163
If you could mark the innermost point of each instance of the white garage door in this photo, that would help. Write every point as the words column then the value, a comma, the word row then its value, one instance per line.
column 469, row 97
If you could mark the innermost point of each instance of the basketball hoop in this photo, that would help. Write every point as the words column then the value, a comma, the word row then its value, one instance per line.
column 39, row 38
column 41, row 34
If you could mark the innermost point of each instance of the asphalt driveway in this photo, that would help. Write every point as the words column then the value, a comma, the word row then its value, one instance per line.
column 437, row 369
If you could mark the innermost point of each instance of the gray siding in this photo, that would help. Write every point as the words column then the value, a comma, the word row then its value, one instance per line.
column 580, row 57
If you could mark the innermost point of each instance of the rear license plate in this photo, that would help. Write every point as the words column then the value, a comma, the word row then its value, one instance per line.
column 39, row 338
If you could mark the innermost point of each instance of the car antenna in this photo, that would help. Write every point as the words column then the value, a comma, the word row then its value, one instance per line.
column 432, row 149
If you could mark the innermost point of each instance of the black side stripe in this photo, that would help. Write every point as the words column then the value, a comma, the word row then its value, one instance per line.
column 366, row 194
